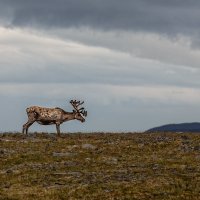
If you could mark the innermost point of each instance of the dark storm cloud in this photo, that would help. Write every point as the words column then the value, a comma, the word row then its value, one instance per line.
column 111, row 53
column 169, row 17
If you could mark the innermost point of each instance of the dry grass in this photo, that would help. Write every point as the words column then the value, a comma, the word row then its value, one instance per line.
column 100, row 166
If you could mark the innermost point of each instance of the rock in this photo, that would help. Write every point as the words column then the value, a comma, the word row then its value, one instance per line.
column 71, row 147
column 6, row 151
column 64, row 154
column 70, row 164
column 75, row 174
column 140, row 145
column 88, row 146
column 110, row 160
column 156, row 167
column 88, row 159
column 60, row 173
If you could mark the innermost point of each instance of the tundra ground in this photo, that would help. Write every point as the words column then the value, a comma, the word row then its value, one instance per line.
column 100, row 166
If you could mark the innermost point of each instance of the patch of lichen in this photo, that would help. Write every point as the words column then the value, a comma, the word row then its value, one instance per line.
column 100, row 166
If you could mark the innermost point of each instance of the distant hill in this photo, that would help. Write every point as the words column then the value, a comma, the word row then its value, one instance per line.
column 183, row 127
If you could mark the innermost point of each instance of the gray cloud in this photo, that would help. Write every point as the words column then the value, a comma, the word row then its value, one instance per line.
column 69, row 62
column 135, row 60
column 167, row 17
column 44, row 59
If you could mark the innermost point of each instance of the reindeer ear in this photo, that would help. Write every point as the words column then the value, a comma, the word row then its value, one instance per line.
column 74, row 111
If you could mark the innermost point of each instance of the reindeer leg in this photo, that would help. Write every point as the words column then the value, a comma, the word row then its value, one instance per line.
column 31, row 120
column 58, row 129
column 27, row 125
column 23, row 129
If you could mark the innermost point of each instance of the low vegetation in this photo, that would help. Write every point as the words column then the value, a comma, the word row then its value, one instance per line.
column 100, row 166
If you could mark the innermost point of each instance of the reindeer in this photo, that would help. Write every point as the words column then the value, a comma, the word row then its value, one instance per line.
column 48, row 116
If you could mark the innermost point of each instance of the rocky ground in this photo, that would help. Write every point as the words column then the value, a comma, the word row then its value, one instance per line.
column 100, row 166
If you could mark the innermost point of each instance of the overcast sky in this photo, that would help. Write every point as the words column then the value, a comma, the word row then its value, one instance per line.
column 136, row 63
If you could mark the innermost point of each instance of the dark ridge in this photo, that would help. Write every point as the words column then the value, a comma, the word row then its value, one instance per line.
column 183, row 127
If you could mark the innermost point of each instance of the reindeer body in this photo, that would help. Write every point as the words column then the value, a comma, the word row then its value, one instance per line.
column 48, row 116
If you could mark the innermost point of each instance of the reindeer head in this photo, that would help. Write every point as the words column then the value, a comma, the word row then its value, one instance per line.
column 80, row 113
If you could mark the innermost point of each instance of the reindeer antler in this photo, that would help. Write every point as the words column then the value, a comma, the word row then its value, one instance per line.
column 83, row 112
column 76, row 104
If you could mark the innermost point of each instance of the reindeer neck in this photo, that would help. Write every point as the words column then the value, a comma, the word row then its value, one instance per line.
column 69, row 116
